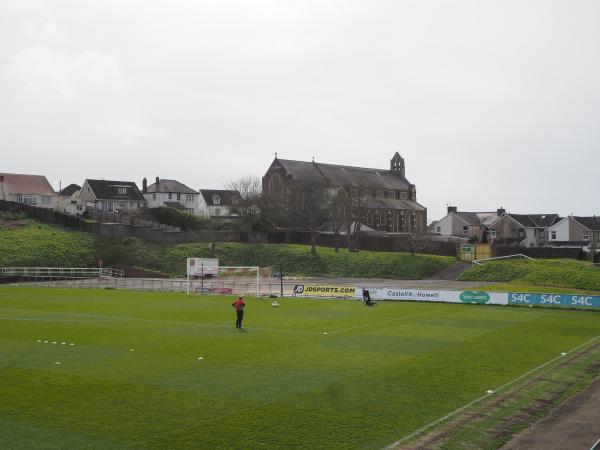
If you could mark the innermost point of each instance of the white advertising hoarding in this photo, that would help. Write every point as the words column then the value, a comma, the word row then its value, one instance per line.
column 391, row 293
column 203, row 266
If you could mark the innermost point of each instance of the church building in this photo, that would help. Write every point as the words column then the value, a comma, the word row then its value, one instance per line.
column 388, row 199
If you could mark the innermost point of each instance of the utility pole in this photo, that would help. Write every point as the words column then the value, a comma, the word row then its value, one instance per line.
column 594, row 242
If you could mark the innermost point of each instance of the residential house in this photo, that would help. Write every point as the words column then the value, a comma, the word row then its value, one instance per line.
column 217, row 203
column 34, row 190
column 528, row 230
column 470, row 225
column 388, row 199
column 111, row 196
column 574, row 231
column 68, row 200
column 172, row 194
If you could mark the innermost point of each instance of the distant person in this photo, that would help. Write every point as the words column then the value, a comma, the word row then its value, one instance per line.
column 367, row 297
column 239, row 310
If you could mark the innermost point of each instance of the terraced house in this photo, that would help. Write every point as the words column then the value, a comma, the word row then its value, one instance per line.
column 387, row 197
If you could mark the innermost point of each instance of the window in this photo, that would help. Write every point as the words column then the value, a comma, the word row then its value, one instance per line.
column 235, row 200
column 189, row 198
column 140, row 205
column 553, row 235
column 170, row 196
column 216, row 200
column 190, row 210
column 276, row 185
column 132, row 204
column 493, row 234
column 153, row 196
column 366, row 193
column 121, row 190
column 45, row 200
column 354, row 192
column 178, row 196
column 391, row 194
column 403, row 195
column 585, row 235
column 122, row 204
column 438, row 229
column 465, row 230
column 380, row 194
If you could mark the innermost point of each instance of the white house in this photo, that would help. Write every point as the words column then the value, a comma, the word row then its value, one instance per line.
column 574, row 230
column 31, row 190
column 529, row 230
column 111, row 196
column 217, row 203
column 172, row 194
column 464, row 224
column 68, row 200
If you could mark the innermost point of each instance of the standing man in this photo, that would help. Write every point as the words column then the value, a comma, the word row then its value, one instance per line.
column 239, row 309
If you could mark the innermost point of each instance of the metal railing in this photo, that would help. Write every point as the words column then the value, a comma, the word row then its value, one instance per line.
column 520, row 255
column 61, row 272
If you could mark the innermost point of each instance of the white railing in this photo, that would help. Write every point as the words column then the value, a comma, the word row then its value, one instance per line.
column 520, row 255
column 61, row 272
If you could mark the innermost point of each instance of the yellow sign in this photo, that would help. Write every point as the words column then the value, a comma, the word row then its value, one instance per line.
column 332, row 291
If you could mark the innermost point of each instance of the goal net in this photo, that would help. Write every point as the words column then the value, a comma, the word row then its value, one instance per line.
column 208, row 277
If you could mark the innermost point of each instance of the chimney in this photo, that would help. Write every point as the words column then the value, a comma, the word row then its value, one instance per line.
column 501, row 211
column 452, row 209
column 157, row 180
column 144, row 185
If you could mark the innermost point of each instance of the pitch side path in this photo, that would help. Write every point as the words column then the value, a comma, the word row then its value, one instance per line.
column 164, row 370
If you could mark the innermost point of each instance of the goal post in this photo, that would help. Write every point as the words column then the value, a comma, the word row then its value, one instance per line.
column 214, row 278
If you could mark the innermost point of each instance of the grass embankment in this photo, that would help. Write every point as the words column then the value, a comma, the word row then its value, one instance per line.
column 561, row 273
column 379, row 374
column 26, row 243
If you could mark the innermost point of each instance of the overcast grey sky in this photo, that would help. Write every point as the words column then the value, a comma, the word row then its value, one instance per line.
column 490, row 102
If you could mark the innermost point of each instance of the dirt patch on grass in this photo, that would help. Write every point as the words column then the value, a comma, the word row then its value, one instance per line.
column 492, row 422
column 12, row 224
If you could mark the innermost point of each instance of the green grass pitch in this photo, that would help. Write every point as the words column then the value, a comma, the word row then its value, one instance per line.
column 378, row 374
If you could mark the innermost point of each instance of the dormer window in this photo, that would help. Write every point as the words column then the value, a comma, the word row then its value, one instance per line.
column 122, row 190
column 216, row 200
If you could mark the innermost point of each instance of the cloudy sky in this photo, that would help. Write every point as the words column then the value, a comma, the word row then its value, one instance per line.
column 491, row 103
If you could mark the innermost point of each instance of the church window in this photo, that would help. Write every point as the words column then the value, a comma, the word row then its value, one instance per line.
column 276, row 185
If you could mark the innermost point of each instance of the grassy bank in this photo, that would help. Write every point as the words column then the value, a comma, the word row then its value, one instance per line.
column 562, row 273
column 27, row 243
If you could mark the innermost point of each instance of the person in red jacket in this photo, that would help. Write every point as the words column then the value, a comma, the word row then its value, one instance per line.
column 239, row 309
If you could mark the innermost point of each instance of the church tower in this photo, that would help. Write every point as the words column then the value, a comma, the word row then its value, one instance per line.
column 397, row 165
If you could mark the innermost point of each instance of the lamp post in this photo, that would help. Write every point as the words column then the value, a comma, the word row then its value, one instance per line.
column 280, row 280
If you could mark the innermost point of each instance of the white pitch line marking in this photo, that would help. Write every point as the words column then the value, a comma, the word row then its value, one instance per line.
column 477, row 400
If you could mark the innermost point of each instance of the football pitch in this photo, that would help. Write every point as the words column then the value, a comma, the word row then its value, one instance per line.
column 162, row 370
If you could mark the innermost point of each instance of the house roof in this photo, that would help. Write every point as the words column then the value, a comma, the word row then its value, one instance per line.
column 535, row 220
column 170, row 186
column 344, row 175
column 175, row 205
column 16, row 183
column 108, row 190
column 69, row 190
column 476, row 218
column 592, row 223
column 225, row 195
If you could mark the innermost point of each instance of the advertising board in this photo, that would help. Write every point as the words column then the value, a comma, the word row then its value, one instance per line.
column 333, row 291
column 555, row 300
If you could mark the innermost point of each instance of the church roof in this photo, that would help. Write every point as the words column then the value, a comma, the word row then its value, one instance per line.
column 344, row 175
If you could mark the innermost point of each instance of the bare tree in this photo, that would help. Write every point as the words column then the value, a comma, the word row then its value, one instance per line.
column 358, row 216
column 247, row 204
column 340, row 214
column 309, row 208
